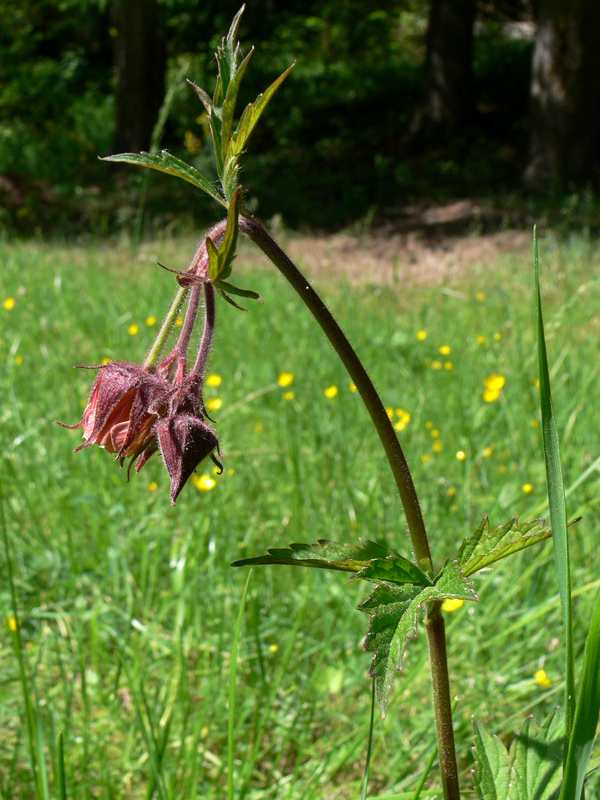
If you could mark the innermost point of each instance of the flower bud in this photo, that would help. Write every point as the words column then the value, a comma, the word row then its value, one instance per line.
column 185, row 440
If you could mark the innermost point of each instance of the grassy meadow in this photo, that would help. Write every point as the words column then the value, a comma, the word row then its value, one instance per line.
column 127, row 606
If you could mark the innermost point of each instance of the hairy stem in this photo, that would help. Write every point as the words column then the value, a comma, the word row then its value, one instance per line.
column 440, row 681
column 404, row 482
column 362, row 381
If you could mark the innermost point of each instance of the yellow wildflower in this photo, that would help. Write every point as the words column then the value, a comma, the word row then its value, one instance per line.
column 133, row 329
column 214, row 404
column 489, row 395
column 429, row 424
column 437, row 446
column 448, row 365
column 480, row 296
column 425, row 458
column 451, row 491
column 150, row 321
column 445, row 350
column 203, row 483
column 437, row 364
column 353, row 387
column 273, row 648
column 461, row 455
column 9, row 303
column 12, row 623
column 389, row 411
column 421, row 335
column 495, row 382
column 18, row 360
column 435, row 433
column 497, row 336
column 487, row 452
column 288, row 395
column 480, row 339
column 214, row 380
column 331, row 392
column 259, row 427
column 403, row 419
column 285, row 379
column 452, row 605
column 153, row 486
column 527, row 488
column 542, row 679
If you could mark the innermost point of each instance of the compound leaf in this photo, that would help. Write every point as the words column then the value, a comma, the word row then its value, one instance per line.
column 393, row 610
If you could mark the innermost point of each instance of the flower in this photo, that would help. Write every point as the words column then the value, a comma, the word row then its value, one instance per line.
column 527, row 488
column 204, row 483
column 150, row 321
column 353, row 387
column 18, row 360
column 390, row 412
column 331, row 392
column 480, row 339
column 214, row 404
column 448, row 365
column 288, row 395
column 461, row 455
column 421, row 335
column 152, row 486
column 133, row 329
column 437, row 446
column 493, row 386
column 497, row 336
column 285, row 379
column 403, row 419
column 480, row 296
column 452, row 604
column 9, row 303
column 445, row 350
column 124, row 403
column 542, row 679
column 214, row 380
column 437, row 364
column 487, row 452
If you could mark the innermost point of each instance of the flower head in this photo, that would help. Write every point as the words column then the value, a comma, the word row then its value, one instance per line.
column 124, row 403
column 184, row 441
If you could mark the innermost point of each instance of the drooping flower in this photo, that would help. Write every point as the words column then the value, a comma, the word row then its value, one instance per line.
column 124, row 404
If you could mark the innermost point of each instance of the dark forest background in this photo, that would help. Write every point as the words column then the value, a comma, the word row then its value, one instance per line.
column 391, row 104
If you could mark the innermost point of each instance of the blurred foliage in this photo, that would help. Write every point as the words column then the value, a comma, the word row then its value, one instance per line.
column 331, row 150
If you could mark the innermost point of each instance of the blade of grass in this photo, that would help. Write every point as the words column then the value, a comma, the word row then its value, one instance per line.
column 556, row 500
column 368, row 764
column 15, row 630
column 147, row 735
column 586, row 714
column 60, row 772
column 232, row 677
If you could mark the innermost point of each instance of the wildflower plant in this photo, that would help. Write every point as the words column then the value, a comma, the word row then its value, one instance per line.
column 135, row 411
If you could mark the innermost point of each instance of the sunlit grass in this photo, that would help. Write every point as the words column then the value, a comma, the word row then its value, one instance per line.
column 102, row 566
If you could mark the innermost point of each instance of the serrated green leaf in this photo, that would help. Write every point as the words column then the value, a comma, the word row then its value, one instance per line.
column 392, row 610
column 219, row 264
column 325, row 554
column 492, row 772
column 485, row 547
column 252, row 114
column 395, row 569
column 165, row 162
column 536, row 757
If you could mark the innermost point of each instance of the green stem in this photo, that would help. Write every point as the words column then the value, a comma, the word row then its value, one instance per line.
column 159, row 343
column 362, row 381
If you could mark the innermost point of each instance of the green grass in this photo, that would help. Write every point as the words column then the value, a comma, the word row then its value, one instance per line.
column 127, row 607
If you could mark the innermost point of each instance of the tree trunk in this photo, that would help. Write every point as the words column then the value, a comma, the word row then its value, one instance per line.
column 140, row 61
column 448, row 83
column 565, row 93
